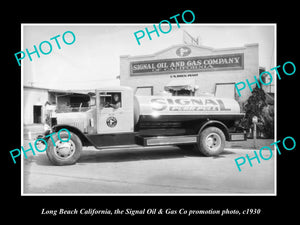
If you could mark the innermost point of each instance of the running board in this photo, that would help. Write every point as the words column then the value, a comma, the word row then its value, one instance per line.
column 168, row 140
column 237, row 137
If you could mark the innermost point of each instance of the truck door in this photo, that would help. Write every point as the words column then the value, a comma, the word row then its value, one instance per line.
column 114, row 116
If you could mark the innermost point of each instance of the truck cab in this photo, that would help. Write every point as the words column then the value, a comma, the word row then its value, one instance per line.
column 117, row 118
column 114, row 110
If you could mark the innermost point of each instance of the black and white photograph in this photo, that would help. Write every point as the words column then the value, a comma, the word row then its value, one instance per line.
column 138, row 110
column 164, row 109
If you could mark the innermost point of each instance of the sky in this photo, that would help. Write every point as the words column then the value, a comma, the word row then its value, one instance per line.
column 93, row 60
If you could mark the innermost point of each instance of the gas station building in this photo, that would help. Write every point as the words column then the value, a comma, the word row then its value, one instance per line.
column 194, row 70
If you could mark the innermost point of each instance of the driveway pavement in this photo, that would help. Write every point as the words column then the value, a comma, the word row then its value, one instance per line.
column 155, row 170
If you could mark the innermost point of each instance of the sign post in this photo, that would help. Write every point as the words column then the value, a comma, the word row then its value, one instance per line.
column 254, row 121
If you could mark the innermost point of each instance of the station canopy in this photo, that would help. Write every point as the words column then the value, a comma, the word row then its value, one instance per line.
column 181, row 84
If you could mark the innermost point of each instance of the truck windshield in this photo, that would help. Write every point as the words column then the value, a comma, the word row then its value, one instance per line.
column 75, row 103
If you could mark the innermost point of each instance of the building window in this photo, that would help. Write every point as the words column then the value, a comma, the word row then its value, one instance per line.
column 146, row 90
column 182, row 92
column 181, row 87
column 37, row 114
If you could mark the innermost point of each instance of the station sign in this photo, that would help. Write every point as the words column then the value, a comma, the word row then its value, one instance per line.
column 188, row 64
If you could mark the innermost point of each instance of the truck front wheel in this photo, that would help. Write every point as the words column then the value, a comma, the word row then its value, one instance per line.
column 211, row 141
column 64, row 152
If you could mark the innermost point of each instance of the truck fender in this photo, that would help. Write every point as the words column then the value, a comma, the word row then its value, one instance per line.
column 215, row 123
column 84, row 140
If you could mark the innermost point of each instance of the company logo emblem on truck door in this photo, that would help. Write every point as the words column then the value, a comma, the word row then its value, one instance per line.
column 111, row 121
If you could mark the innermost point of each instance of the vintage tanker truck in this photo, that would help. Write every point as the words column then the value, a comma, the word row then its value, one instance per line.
column 199, row 123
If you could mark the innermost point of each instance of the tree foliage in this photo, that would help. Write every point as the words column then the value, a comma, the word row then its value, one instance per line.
column 256, row 105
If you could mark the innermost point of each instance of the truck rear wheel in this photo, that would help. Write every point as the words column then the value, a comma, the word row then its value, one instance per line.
column 211, row 141
column 64, row 153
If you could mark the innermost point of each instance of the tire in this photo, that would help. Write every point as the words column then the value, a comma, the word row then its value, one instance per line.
column 64, row 153
column 211, row 141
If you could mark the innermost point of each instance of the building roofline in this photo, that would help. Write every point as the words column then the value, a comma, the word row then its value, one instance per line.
column 59, row 90
column 114, row 88
column 82, row 91
column 193, row 46
column 34, row 87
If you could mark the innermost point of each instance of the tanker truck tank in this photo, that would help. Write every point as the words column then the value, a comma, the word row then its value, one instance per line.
column 176, row 111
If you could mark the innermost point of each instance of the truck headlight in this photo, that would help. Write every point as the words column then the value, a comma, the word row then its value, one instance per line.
column 47, row 127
